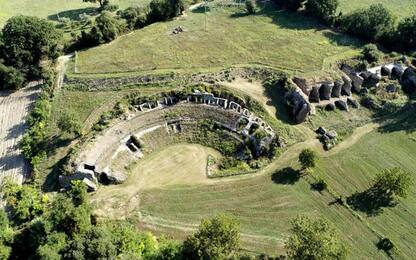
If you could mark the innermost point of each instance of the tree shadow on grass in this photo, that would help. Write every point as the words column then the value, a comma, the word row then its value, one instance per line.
column 51, row 182
column 277, row 99
column 370, row 202
column 286, row 176
column 403, row 120
column 73, row 15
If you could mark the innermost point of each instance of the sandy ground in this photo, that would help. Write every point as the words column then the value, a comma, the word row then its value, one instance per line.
column 14, row 108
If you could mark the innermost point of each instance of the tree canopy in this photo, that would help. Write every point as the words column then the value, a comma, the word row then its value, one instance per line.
column 314, row 239
column 216, row 238
column 308, row 158
column 27, row 41
column 393, row 182
column 324, row 10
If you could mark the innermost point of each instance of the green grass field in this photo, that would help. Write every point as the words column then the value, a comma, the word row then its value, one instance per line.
column 49, row 8
column 265, row 204
column 400, row 8
column 274, row 38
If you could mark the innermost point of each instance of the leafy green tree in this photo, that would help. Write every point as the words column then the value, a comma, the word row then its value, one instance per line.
column 135, row 17
column 372, row 23
column 163, row 10
column 6, row 235
column 324, row 10
column 292, row 5
column 250, row 6
column 308, row 158
column 406, row 34
column 65, row 217
column 24, row 200
column 314, row 239
column 70, row 123
column 216, row 238
column 393, row 182
column 27, row 41
column 10, row 78
column 106, row 28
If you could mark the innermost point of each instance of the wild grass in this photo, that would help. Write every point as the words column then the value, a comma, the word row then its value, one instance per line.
column 400, row 8
column 52, row 9
column 274, row 38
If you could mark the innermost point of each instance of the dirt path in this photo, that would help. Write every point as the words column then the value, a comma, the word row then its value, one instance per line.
column 14, row 108
column 61, row 69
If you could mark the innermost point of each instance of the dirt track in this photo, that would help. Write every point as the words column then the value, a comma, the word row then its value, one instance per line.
column 14, row 108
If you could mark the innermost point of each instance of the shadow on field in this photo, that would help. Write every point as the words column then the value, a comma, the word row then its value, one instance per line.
column 286, row 176
column 52, row 180
column 370, row 202
column 277, row 99
column 73, row 15
column 404, row 120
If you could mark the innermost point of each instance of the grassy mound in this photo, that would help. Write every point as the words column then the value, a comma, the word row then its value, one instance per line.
column 288, row 41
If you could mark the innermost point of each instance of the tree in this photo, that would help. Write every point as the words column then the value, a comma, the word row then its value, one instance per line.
column 216, row 238
column 314, row 239
column 10, row 78
column 250, row 6
column 292, row 5
column 308, row 158
column 163, row 10
column 27, row 41
column 373, row 23
column 393, row 182
column 6, row 235
column 24, row 200
column 323, row 10
column 106, row 28
column 70, row 123
column 406, row 34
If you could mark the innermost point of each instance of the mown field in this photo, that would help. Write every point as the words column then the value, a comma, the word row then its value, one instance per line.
column 400, row 8
column 50, row 8
column 265, row 204
column 275, row 38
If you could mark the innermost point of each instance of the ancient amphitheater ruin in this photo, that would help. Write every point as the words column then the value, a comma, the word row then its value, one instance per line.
column 157, row 124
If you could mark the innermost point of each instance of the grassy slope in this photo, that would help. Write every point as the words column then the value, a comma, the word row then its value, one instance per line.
column 282, row 40
column 47, row 8
column 264, row 207
column 400, row 8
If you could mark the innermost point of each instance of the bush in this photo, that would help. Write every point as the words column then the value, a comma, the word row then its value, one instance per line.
column 323, row 10
column 250, row 6
column 10, row 78
column 70, row 123
column 371, row 53
column 373, row 23
column 385, row 244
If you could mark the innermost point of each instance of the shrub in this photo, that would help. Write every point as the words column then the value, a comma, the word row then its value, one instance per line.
column 163, row 10
column 371, row 24
column 135, row 17
column 385, row 244
column 250, row 6
column 323, row 10
column 320, row 185
column 371, row 53
column 10, row 78
column 70, row 123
